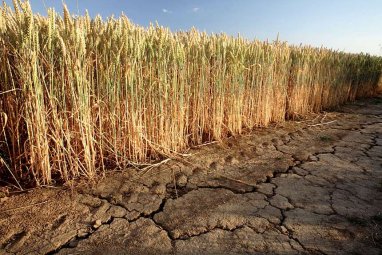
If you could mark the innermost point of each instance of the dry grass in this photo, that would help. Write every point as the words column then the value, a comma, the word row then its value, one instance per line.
column 80, row 95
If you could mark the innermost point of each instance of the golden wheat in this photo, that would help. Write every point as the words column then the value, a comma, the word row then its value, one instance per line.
column 79, row 96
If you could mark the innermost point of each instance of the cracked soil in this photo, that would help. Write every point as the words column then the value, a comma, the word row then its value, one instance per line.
column 302, row 187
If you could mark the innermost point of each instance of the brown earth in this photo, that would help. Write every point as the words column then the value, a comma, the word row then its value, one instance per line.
column 308, row 187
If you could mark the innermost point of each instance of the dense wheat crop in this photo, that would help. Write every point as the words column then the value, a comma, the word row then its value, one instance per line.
column 80, row 95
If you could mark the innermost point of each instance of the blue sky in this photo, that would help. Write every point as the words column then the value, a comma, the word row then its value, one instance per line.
column 350, row 25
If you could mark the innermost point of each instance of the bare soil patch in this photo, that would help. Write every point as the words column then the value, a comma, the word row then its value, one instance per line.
column 303, row 187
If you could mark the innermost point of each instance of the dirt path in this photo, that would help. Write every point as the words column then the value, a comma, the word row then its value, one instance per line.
column 312, row 187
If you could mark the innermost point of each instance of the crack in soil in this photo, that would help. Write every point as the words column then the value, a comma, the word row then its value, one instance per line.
column 289, row 139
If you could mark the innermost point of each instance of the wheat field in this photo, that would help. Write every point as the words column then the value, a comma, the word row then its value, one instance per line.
column 79, row 95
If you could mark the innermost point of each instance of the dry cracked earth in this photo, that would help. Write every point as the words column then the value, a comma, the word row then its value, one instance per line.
column 303, row 187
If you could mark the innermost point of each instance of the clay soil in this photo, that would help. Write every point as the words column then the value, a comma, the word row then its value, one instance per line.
column 312, row 186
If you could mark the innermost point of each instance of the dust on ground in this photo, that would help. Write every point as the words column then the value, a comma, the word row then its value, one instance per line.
column 303, row 187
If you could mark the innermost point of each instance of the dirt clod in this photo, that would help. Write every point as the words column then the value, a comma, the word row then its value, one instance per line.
column 97, row 224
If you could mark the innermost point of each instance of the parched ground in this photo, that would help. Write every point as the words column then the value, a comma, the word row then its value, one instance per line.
column 308, row 187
